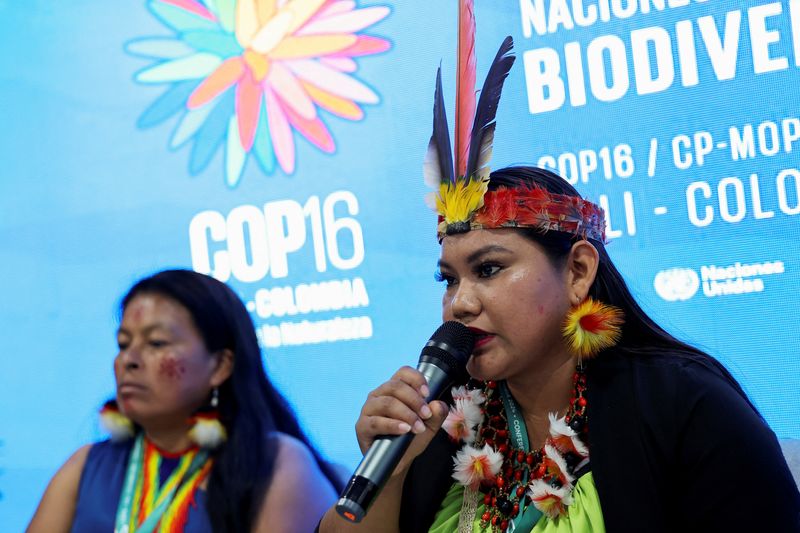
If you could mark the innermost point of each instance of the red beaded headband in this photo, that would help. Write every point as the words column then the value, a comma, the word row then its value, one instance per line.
column 532, row 208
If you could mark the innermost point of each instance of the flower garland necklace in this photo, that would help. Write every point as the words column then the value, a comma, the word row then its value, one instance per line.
column 497, row 462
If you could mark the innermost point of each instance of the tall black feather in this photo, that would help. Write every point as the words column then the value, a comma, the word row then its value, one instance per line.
column 441, row 133
column 483, row 126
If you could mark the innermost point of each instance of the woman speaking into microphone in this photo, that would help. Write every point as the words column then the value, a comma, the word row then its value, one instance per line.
column 581, row 414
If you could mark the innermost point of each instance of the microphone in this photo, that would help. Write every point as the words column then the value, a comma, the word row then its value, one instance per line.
column 443, row 361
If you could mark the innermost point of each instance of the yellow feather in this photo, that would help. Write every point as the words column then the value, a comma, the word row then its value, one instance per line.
column 592, row 327
column 457, row 202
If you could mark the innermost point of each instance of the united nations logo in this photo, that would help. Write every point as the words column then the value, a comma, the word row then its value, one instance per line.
column 676, row 284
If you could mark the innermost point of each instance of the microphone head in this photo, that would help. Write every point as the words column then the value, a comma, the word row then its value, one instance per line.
column 449, row 348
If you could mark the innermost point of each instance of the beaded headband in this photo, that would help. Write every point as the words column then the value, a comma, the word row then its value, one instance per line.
column 461, row 196
column 531, row 208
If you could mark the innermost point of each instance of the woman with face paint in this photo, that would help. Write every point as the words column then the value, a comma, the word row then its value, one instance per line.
column 201, row 439
column 581, row 414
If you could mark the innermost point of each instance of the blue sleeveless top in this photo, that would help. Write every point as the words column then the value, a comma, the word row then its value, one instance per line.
column 101, row 485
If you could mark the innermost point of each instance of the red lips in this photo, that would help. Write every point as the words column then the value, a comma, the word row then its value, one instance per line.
column 481, row 337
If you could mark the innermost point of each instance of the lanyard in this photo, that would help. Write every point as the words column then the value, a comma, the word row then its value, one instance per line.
column 126, row 500
column 134, row 470
column 516, row 424
column 528, row 515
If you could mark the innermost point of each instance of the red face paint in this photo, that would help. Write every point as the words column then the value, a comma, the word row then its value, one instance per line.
column 171, row 368
column 136, row 313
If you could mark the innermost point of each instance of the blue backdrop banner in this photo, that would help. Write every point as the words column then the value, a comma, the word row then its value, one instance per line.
column 283, row 155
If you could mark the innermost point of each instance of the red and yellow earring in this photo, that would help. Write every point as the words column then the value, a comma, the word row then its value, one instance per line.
column 591, row 326
column 207, row 431
column 118, row 426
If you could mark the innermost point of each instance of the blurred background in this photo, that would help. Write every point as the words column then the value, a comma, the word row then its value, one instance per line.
column 135, row 139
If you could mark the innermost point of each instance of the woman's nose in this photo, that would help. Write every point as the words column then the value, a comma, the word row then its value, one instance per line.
column 465, row 303
column 130, row 357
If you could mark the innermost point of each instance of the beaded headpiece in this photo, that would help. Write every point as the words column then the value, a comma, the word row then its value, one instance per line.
column 461, row 196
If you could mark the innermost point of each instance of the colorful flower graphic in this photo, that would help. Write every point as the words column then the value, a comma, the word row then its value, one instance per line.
column 249, row 73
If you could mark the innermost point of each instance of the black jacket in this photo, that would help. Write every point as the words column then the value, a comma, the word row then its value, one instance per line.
column 675, row 446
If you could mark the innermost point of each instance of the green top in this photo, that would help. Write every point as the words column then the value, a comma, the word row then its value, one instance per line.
column 584, row 514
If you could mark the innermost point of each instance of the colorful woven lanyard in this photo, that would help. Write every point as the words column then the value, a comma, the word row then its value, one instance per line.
column 162, row 499
column 529, row 514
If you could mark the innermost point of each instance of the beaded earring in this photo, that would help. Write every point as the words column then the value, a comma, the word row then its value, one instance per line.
column 214, row 398
column 207, row 431
column 591, row 326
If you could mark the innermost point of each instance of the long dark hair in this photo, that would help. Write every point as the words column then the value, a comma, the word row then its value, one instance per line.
column 250, row 407
column 641, row 335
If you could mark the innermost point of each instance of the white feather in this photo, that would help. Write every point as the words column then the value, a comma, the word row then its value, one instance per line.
column 430, row 200
column 208, row 433
column 118, row 426
column 431, row 169
column 485, row 154
column 548, row 499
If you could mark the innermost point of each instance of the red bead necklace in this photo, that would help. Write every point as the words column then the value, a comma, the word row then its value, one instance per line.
column 505, row 496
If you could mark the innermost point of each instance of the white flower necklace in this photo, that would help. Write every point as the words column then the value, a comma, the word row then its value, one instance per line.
column 495, row 459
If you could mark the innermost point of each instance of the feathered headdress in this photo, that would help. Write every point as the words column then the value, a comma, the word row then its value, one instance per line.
column 460, row 183
column 460, row 187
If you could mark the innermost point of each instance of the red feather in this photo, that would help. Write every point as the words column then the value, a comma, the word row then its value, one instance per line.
column 499, row 207
column 465, row 84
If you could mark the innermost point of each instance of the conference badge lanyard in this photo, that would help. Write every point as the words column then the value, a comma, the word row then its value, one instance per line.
column 529, row 515
column 135, row 466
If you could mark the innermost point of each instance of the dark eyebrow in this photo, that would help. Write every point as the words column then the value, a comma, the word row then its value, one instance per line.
column 480, row 252
column 146, row 331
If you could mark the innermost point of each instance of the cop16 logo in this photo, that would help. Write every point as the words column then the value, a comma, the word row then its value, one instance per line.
column 250, row 242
